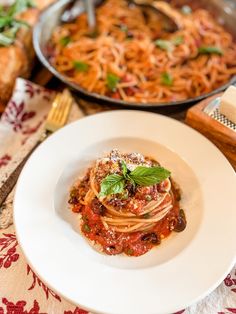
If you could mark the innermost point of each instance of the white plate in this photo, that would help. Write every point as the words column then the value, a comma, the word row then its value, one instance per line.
column 183, row 269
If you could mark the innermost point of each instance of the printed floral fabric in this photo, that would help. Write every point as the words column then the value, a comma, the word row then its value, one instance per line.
column 20, row 121
column 21, row 290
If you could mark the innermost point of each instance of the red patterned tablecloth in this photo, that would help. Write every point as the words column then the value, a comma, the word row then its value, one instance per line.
column 21, row 291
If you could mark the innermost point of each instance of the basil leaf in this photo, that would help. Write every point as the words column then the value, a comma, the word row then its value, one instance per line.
column 124, row 168
column 64, row 41
column 167, row 44
column 11, row 32
column 166, row 79
column 5, row 41
column 9, row 26
column 8, row 36
column 81, row 66
column 5, row 21
column 186, row 10
column 177, row 40
column 112, row 184
column 149, row 176
column 19, row 6
column 210, row 50
column 19, row 23
column 164, row 44
column 112, row 80
column 8, row 23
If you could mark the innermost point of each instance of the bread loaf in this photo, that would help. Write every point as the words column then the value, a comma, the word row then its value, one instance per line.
column 17, row 59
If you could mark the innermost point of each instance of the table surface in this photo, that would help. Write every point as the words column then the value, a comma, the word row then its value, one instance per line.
column 22, row 292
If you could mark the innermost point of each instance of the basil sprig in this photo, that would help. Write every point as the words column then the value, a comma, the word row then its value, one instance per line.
column 111, row 81
column 178, row 40
column 169, row 45
column 210, row 50
column 81, row 66
column 164, row 44
column 166, row 79
column 9, row 24
column 64, row 41
column 20, row 6
column 142, row 176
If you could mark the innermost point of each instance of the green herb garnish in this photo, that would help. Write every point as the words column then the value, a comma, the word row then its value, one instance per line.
column 164, row 44
column 86, row 228
column 5, row 41
column 19, row 23
column 124, row 28
column 146, row 176
column 5, row 21
column 20, row 6
column 9, row 24
column 124, row 169
column 112, row 80
column 112, row 184
column 166, row 79
column 64, row 41
column 168, row 45
column 210, row 50
column 146, row 216
column 148, row 197
column 186, row 10
column 81, row 66
column 143, row 176
column 177, row 40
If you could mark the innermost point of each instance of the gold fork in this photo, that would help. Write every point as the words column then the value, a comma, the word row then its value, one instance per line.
column 56, row 118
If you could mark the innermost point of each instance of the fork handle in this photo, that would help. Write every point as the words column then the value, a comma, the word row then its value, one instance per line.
column 10, row 182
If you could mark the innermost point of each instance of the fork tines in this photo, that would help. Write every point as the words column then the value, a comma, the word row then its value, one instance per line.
column 58, row 114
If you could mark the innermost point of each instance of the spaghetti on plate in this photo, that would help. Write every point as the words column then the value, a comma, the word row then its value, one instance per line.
column 127, row 204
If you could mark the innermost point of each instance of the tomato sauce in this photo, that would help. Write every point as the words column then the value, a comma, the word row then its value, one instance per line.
column 112, row 242
column 132, row 244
